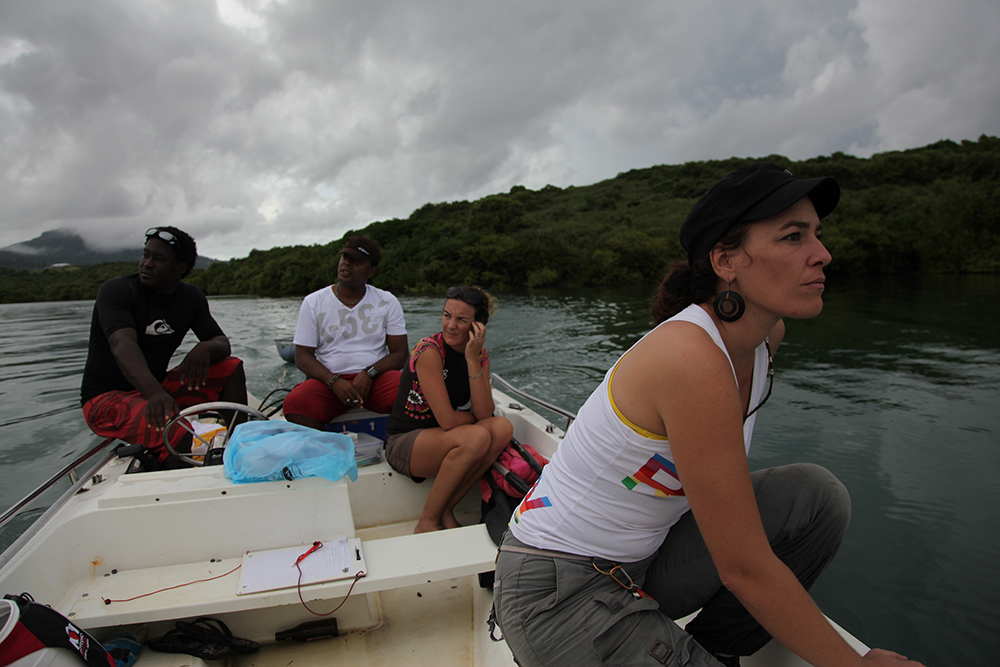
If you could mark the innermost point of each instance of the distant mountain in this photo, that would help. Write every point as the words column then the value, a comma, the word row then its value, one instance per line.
column 61, row 246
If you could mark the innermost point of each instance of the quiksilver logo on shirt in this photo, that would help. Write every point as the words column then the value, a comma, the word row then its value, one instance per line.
column 159, row 328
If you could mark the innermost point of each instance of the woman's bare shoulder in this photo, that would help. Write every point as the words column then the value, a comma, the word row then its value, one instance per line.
column 672, row 364
column 679, row 344
column 428, row 362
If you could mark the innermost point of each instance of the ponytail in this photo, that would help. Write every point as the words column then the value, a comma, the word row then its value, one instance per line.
column 693, row 282
column 683, row 285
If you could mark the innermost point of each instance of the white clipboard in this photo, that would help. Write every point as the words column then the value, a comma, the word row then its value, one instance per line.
column 341, row 558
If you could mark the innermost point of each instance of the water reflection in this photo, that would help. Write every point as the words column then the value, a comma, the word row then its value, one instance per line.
column 42, row 347
column 895, row 388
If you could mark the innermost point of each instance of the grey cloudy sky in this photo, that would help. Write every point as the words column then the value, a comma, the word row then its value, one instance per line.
column 256, row 123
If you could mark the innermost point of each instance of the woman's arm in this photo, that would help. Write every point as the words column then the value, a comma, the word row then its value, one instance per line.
column 430, row 375
column 479, row 375
column 678, row 383
column 482, row 395
column 702, row 415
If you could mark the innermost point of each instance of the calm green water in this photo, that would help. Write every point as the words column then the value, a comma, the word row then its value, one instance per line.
column 895, row 388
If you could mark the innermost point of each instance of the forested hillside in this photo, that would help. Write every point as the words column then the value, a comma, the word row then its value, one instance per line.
column 930, row 209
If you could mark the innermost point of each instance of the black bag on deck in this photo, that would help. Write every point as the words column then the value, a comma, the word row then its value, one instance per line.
column 496, row 513
column 39, row 627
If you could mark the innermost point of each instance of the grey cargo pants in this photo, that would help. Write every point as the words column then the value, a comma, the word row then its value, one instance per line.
column 561, row 611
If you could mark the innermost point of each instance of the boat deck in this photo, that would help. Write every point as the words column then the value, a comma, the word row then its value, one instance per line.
column 428, row 557
column 150, row 581
column 134, row 536
column 432, row 625
column 437, row 623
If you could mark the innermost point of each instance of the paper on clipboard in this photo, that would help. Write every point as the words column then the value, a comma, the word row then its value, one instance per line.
column 271, row 570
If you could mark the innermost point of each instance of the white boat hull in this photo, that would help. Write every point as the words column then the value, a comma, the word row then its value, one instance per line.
column 125, row 537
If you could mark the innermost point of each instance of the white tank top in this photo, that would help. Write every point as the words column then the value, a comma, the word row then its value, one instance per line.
column 611, row 489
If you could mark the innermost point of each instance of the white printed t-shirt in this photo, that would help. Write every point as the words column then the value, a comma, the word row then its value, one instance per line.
column 612, row 490
column 349, row 339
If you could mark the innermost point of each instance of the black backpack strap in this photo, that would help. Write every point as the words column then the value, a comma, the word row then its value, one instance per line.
column 526, row 455
column 515, row 481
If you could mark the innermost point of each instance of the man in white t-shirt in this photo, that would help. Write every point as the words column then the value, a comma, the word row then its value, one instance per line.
column 350, row 341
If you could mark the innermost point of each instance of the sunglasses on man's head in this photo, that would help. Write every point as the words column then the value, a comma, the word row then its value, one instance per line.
column 470, row 296
column 163, row 235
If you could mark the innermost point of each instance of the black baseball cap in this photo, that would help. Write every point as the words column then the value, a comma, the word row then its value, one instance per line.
column 363, row 248
column 750, row 193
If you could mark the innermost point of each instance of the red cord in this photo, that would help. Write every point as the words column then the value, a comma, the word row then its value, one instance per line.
column 298, row 586
column 170, row 588
column 314, row 547
column 317, row 545
column 316, row 613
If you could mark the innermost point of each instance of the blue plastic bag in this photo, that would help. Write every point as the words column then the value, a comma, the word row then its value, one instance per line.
column 262, row 451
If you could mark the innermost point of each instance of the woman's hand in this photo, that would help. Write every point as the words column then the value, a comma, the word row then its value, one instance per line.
column 477, row 339
column 878, row 656
column 479, row 375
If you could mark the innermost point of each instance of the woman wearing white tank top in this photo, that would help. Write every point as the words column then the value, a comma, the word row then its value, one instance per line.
column 648, row 511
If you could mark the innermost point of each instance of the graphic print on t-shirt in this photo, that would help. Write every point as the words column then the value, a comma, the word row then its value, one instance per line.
column 658, row 477
column 530, row 503
column 159, row 328
column 367, row 319
column 416, row 407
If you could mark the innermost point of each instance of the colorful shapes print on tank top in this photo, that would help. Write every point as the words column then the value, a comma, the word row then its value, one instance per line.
column 658, row 477
column 530, row 503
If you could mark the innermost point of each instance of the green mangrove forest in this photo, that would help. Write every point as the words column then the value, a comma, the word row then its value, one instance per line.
column 934, row 209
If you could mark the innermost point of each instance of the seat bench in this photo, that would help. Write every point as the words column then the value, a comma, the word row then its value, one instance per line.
column 393, row 562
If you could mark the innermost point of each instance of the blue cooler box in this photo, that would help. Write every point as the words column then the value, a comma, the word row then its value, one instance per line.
column 374, row 425
column 370, row 436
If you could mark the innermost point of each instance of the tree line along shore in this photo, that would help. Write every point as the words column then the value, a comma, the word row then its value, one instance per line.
column 934, row 209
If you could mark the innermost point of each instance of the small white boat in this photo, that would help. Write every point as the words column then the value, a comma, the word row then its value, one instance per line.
column 168, row 545
column 286, row 348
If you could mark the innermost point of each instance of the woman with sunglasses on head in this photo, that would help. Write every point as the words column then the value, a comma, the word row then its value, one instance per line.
column 648, row 511
column 442, row 424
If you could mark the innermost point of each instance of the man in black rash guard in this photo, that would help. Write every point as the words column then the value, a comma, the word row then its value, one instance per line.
column 139, row 322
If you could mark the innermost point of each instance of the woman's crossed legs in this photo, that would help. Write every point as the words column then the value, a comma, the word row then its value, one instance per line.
column 456, row 459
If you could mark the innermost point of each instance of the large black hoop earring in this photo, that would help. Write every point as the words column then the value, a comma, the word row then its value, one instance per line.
column 729, row 305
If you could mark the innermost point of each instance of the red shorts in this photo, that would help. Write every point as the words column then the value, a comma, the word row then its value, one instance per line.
column 312, row 398
column 122, row 414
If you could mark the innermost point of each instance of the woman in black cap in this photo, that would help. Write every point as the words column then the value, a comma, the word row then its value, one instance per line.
column 648, row 510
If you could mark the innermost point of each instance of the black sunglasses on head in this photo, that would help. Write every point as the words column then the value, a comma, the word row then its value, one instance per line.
column 157, row 233
column 470, row 296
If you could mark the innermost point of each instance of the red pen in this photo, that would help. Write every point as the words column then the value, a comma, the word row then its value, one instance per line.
column 315, row 547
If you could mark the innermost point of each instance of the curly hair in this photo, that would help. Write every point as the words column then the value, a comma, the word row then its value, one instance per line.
column 184, row 247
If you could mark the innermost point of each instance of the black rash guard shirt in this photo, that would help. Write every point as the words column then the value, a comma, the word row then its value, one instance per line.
column 160, row 322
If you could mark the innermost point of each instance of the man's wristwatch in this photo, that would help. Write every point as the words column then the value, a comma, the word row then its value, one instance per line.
column 329, row 385
column 371, row 372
